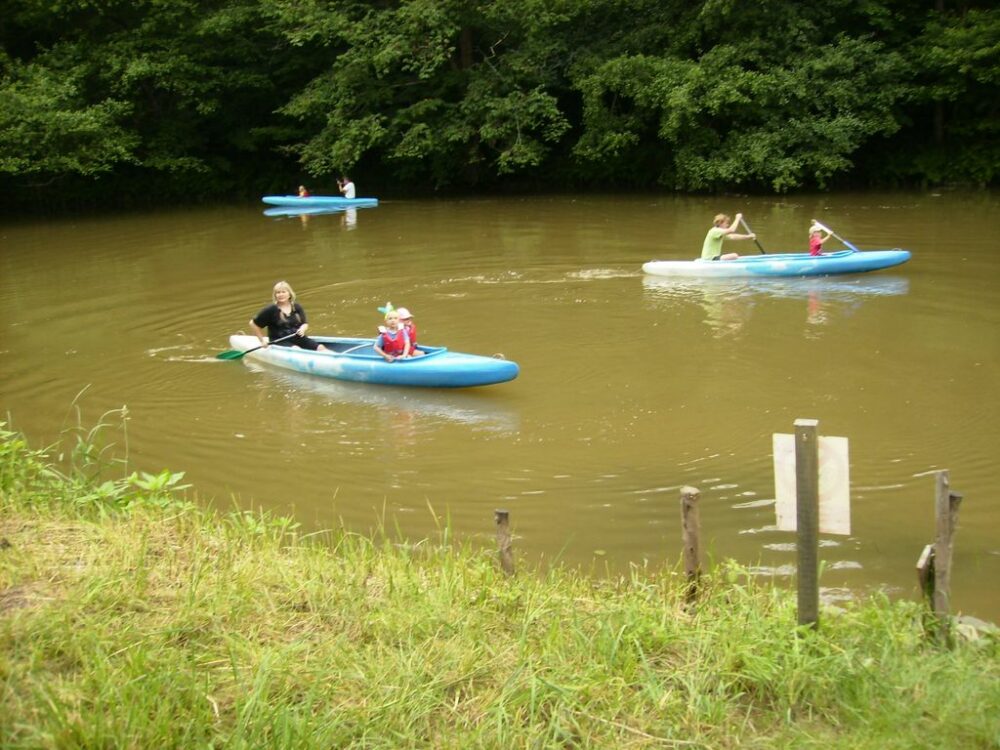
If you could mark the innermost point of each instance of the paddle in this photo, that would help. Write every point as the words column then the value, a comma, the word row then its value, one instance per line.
column 834, row 234
column 750, row 231
column 354, row 348
column 235, row 354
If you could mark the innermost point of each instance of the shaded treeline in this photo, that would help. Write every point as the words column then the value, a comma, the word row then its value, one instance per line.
column 199, row 99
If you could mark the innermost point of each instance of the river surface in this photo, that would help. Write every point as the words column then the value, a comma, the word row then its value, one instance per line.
column 630, row 387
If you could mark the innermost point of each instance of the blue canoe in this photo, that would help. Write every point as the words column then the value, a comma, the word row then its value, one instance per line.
column 319, row 201
column 781, row 264
column 355, row 359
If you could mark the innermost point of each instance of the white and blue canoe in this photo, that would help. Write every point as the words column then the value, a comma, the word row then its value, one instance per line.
column 319, row 201
column 355, row 359
column 781, row 264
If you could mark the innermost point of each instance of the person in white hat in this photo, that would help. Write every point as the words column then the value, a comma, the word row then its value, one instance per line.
column 816, row 238
column 406, row 320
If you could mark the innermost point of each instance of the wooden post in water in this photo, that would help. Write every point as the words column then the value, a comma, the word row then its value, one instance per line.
column 691, row 530
column 504, row 544
column 807, row 519
column 946, row 510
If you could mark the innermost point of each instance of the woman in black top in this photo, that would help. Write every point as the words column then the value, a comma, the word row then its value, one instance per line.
column 285, row 317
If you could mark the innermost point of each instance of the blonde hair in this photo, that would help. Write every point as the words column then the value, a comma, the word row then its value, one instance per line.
column 720, row 219
column 286, row 287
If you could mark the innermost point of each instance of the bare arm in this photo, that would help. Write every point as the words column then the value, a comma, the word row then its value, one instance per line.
column 381, row 352
column 730, row 231
column 259, row 333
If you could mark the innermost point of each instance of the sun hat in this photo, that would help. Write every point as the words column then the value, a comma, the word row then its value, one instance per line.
column 404, row 314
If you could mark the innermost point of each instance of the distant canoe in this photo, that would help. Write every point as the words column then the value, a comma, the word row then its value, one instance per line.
column 355, row 359
column 782, row 264
column 319, row 201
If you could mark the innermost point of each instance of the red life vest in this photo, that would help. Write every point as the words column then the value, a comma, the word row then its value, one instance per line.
column 394, row 344
column 411, row 331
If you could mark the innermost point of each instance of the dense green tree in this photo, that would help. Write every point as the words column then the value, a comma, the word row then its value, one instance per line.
column 957, row 109
column 423, row 85
column 178, row 87
column 213, row 97
column 48, row 127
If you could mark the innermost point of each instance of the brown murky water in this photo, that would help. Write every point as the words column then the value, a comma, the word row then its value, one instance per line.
column 630, row 386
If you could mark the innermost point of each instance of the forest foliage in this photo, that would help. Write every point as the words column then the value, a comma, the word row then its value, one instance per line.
column 211, row 98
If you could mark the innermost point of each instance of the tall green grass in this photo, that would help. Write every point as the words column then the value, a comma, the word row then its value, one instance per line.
column 135, row 619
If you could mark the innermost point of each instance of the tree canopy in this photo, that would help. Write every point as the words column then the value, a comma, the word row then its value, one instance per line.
column 210, row 97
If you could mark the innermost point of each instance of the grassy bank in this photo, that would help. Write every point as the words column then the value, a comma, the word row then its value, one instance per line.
column 130, row 619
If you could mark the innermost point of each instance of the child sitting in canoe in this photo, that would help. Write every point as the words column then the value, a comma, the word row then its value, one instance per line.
column 816, row 238
column 393, row 341
column 406, row 319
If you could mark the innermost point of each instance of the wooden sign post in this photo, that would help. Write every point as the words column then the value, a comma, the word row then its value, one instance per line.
column 807, row 519
column 812, row 495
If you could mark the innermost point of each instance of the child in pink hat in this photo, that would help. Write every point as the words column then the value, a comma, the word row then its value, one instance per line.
column 406, row 320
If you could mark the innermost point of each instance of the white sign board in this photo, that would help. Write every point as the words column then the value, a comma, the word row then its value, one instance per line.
column 834, row 484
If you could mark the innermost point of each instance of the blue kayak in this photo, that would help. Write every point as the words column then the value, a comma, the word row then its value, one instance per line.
column 355, row 359
column 782, row 264
column 319, row 201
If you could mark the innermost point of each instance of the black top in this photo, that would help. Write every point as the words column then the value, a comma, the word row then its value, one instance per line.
column 278, row 324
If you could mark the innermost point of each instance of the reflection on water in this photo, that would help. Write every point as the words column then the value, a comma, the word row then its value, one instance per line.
column 728, row 303
column 406, row 404
column 285, row 211
column 348, row 216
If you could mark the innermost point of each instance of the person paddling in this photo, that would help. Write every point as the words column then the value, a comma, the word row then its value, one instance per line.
column 283, row 318
column 723, row 228
column 816, row 238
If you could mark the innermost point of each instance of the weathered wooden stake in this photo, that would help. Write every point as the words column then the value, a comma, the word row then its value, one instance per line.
column 807, row 518
column 925, row 574
column 504, row 544
column 691, row 529
column 946, row 510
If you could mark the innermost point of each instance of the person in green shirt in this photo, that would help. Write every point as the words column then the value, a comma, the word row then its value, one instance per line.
column 723, row 228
